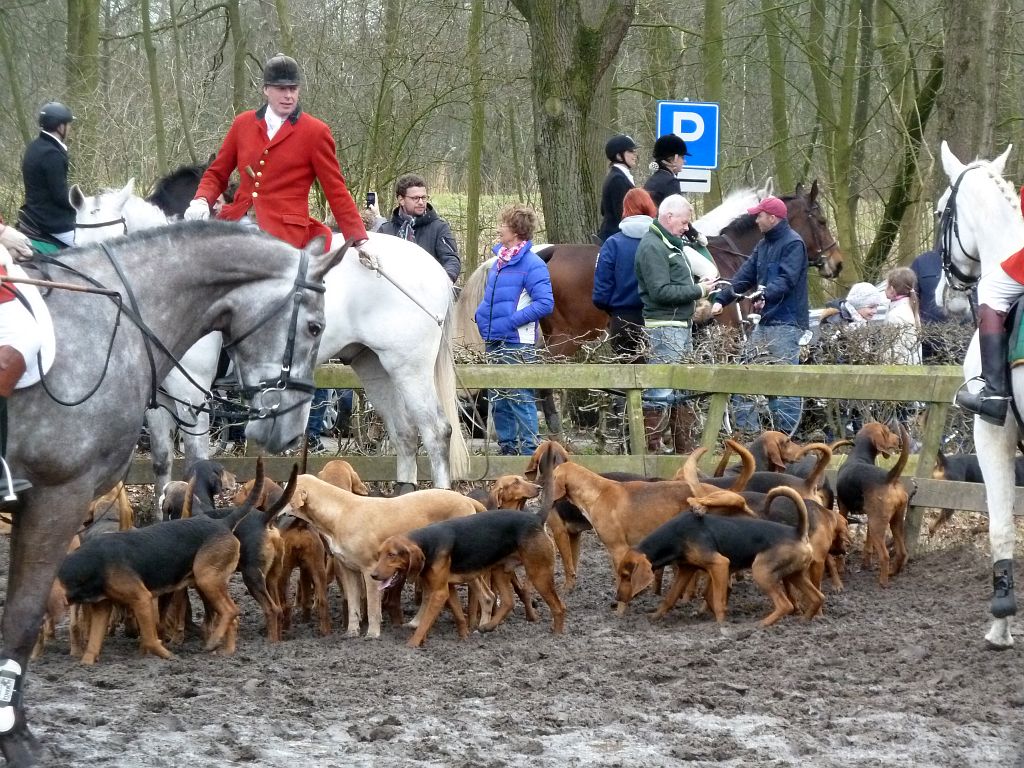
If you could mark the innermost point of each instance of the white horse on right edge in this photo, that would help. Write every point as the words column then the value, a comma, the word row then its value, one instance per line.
column 981, row 226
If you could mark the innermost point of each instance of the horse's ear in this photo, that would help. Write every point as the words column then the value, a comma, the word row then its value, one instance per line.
column 1000, row 162
column 799, row 189
column 813, row 193
column 321, row 263
column 76, row 198
column 768, row 189
column 950, row 163
column 126, row 192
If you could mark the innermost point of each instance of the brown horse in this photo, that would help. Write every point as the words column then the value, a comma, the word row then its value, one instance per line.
column 575, row 320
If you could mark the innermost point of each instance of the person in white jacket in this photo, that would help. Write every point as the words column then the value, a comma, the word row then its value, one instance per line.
column 905, row 313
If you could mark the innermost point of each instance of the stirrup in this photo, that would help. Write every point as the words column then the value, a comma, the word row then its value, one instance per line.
column 12, row 487
column 10, row 693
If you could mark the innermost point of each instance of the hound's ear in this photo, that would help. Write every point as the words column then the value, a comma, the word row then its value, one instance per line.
column 416, row 559
column 642, row 576
column 774, row 453
column 531, row 468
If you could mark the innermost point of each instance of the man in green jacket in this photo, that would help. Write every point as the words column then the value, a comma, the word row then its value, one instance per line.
column 669, row 295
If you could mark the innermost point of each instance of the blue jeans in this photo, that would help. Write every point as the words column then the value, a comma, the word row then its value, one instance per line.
column 771, row 344
column 514, row 410
column 315, row 425
column 668, row 345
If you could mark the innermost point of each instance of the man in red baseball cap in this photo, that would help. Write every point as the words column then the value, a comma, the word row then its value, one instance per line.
column 778, row 269
column 772, row 206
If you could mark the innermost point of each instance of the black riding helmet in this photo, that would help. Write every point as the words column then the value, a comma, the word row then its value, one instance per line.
column 281, row 70
column 617, row 145
column 668, row 145
column 54, row 114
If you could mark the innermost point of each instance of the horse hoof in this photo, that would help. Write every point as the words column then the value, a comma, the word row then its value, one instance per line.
column 999, row 637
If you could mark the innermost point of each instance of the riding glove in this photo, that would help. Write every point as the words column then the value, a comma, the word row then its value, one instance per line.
column 197, row 210
column 15, row 242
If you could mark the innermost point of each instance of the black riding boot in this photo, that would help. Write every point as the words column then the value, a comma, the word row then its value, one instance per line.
column 1003, row 601
column 991, row 403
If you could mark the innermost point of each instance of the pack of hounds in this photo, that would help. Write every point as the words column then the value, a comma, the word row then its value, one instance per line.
column 775, row 515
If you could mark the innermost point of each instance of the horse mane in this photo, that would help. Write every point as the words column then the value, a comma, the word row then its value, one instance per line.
column 171, row 192
column 742, row 223
column 201, row 229
column 745, row 221
column 1007, row 189
column 180, row 174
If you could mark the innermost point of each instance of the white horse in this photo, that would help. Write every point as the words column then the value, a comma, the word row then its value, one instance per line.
column 117, row 212
column 982, row 226
column 393, row 326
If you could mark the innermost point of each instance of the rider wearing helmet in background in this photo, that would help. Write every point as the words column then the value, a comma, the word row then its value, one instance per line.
column 47, row 216
column 621, row 153
column 669, row 158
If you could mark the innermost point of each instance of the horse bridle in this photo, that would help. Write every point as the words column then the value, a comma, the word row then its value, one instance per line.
column 949, row 229
column 260, row 391
column 284, row 381
column 817, row 258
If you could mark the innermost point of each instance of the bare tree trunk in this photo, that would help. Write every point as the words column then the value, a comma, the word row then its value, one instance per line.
column 83, row 44
column 712, row 56
column 160, row 132
column 283, row 23
column 471, row 257
column 179, row 91
column 966, row 105
column 569, row 53
column 900, row 195
column 836, row 139
column 379, row 164
column 781, row 153
column 239, row 82
column 14, row 81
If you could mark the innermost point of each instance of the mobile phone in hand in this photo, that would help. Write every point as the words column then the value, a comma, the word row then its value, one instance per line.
column 371, row 199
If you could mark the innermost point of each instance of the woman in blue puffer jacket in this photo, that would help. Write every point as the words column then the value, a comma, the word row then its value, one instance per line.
column 517, row 295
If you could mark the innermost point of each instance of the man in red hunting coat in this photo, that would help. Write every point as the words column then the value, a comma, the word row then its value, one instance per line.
column 278, row 151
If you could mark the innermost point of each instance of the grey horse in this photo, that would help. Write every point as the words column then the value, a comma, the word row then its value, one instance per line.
column 178, row 283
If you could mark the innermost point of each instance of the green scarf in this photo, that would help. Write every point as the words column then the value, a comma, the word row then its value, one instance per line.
column 670, row 239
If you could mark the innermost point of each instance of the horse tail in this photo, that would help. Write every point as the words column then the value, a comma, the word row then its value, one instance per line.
column 444, row 382
column 465, row 333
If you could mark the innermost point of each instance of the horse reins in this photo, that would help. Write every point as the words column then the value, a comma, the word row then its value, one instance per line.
column 103, row 224
column 284, row 381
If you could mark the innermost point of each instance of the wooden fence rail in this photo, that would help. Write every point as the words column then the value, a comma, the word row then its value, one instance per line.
column 934, row 386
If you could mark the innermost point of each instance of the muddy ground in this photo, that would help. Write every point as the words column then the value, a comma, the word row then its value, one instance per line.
column 896, row 676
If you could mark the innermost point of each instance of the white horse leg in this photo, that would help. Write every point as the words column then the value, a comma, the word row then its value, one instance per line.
column 160, row 425
column 420, row 417
column 996, row 449
column 393, row 409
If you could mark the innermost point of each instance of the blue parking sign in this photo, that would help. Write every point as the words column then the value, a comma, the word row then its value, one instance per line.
column 695, row 123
